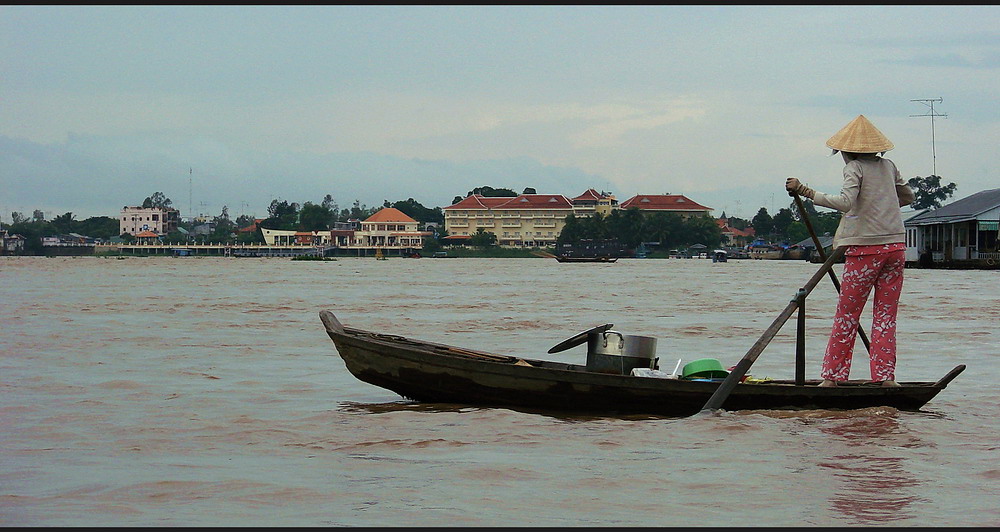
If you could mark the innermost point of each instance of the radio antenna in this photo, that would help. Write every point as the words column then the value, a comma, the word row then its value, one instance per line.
column 929, row 102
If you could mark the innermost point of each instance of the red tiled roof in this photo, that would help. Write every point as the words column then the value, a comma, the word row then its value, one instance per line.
column 390, row 214
column 590, row 194
column 524, row 201
column 252, row 227
column 476, row 201
column 724, row 225
column 663, row 202
column 147, row 234
column 537, row 201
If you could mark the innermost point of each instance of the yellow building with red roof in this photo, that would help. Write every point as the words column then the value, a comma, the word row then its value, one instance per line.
column 525, row 221
column 535, row 220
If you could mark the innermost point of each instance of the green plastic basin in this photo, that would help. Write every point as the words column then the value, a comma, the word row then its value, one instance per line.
column 705, row 368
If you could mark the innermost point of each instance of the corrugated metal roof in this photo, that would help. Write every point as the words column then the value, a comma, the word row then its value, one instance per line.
column 825, row 241
column 960, row 211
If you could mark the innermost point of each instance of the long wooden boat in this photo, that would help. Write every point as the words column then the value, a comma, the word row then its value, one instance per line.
column 601, row 258
column 431, row 372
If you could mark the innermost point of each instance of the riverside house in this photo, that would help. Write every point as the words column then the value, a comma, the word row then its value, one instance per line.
column 10, row 243
column 964, row 233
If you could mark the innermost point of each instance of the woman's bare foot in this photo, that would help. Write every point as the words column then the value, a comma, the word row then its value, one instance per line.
column 827, row 383
column 890, row 384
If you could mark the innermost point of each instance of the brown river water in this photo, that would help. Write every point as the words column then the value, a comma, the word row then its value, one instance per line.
column 195, row 391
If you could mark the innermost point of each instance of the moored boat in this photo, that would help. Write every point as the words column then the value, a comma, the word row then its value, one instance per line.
column 604, row 258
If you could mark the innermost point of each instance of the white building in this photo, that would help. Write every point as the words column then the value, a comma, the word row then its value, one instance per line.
column 160, row 220
column 390, row 228
column 387, row 229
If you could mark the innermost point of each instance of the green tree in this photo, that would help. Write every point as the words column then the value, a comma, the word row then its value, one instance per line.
column 667, row 228
column 572, row 231
column 738, row 223
column 489, row 192
column 627, row 226
column 64, row 223
column 797, row 232
column 314, row 217
column 807, row 204
column 631, row 227
column 157, row 200
column 282, row 215
column 103, row 227
column 432, row 244
column 244, row 220
column 418, row 212
column 762, row 222
column 331, row 205
column 224, row 228
column 483, row 239
column 357, row 212
column 781, row 221
column 702, row 230
column 929, row 192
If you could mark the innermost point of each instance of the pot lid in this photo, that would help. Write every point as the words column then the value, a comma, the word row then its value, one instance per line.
column 579, row 338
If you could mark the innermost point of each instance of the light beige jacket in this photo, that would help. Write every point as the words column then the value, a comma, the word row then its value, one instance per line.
column 872, row 194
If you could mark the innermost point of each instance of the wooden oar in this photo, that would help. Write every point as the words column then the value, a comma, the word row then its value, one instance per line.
column 724, row 389
column 822, row 255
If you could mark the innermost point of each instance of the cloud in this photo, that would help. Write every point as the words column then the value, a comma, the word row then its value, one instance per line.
column 96, row 175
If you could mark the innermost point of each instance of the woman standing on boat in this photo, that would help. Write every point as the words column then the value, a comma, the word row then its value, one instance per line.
column 872, row 229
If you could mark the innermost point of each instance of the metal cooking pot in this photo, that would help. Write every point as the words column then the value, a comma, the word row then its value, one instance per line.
column 613, row 352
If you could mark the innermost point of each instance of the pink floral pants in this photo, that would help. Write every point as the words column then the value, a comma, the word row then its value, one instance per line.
column 866, row 267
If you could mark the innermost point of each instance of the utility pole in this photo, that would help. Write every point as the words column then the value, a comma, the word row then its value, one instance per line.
column 929, row 102
column 190, row 207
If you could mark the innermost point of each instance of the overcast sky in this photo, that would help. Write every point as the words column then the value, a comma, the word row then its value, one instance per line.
column 102, row 106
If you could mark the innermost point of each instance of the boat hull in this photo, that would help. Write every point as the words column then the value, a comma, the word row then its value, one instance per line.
column 437, row 373
column 562, row 258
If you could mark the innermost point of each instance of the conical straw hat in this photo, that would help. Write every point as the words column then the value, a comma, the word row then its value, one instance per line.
column 860, row 136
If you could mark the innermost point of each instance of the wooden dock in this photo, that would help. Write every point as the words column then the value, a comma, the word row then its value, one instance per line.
column 245, row 250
